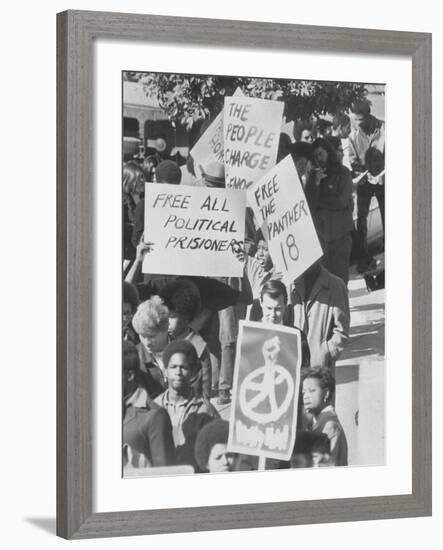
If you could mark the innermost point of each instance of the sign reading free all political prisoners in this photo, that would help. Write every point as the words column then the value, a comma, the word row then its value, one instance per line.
column 251, row 129
column 194, row 230
column 282, row 212
column 266, row 388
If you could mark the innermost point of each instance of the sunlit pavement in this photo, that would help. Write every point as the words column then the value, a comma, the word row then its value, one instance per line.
column 360, row 374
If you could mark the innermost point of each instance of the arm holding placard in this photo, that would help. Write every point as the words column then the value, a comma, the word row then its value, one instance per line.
column 134, row 272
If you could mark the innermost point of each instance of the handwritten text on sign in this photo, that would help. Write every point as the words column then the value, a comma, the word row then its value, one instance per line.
column 210, row 147
column 195, row 230
column 281, row 210
column 266, row 380
column 251, row 135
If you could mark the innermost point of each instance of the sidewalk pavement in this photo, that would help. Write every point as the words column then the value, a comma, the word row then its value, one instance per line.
column 360, row 374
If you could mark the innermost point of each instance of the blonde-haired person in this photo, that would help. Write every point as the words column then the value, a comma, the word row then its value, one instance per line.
column 151, row 321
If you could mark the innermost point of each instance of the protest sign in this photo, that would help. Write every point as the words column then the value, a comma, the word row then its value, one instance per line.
column 281, row 210
column 195, row 230
column 265, row 393
column 210, row 147
column 251, row 132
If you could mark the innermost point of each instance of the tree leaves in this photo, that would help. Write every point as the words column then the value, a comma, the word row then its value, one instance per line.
column 191, row 98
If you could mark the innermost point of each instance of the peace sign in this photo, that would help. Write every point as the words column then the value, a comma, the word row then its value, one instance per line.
column 262, row 383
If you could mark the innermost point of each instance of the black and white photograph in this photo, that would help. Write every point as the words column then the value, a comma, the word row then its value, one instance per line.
column 253, row 263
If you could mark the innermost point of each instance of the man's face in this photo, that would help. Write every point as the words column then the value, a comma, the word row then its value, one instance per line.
column 219, row 459
column 154, row 342
column 179, row 371
column 263, row 256
column 273, row 309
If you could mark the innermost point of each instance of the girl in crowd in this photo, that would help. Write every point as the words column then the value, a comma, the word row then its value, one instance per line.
column 318, row 389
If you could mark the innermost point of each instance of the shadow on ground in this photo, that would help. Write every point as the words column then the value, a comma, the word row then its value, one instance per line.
column 45, row 524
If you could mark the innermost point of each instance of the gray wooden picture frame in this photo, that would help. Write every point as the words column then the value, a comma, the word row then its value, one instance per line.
column 76, row 32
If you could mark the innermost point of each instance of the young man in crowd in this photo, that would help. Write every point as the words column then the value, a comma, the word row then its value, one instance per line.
column 369, row 133
column 321, row 310
column 188, row 412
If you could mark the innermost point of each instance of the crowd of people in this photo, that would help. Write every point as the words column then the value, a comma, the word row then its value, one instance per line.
column 180, row 332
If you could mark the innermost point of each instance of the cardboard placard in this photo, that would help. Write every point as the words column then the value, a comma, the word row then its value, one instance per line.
column 281, row 210
column 210, row 147
column 251, row 132
column 195, row 230
column 263, row 417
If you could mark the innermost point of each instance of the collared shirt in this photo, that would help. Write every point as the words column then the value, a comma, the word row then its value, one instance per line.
column 182, row 411
column 360, row 141
column 187, row 418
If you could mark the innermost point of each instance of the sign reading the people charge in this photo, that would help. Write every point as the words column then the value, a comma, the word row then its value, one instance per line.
column 251, row 134
column 282, row 212
column 210, row 147
column 265, row 393
column 194, row 230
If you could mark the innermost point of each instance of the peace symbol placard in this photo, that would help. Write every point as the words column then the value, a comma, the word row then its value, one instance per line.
column 265, row 394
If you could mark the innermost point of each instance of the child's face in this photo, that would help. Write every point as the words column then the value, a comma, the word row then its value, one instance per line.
column 314, row 395
column 263, row 256
column 154, row 342
column 177, row 325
